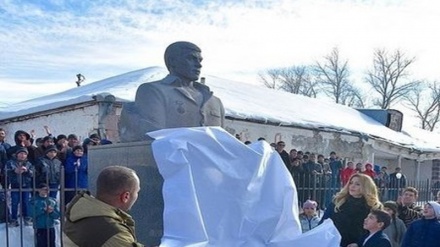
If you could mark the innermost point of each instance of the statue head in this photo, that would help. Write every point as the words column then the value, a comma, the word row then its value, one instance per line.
column 183, row 59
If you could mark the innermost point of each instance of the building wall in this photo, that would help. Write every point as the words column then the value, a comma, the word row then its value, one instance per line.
column 84, row 120
column 319, row 142
column 80, row 121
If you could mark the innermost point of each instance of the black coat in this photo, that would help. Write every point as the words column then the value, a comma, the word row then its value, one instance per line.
column 349, row 220
column 379, row 239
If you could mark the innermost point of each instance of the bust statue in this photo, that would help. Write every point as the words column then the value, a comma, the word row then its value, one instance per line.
column 177, row 100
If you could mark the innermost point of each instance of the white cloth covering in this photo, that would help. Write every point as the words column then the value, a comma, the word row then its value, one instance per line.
column 219, row 192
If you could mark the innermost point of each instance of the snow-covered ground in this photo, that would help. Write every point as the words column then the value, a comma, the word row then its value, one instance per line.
column 14, row 236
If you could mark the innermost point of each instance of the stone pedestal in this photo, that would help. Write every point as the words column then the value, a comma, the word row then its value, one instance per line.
column 148, row 210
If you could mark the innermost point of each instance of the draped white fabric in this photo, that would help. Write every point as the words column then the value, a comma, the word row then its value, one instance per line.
column 219, row 192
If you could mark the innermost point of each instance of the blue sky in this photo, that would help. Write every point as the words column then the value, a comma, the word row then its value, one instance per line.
column 45, row 43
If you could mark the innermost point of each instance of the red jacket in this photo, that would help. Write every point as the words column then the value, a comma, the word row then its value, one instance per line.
column 370, row 173
column 346, row 174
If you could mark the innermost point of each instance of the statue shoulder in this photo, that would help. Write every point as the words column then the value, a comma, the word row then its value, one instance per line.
column 149, row 88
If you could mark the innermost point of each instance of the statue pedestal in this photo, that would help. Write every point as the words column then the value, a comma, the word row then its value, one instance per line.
column 148, row 210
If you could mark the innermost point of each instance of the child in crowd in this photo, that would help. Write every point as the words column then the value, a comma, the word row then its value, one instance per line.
column 20, row 175
column 309, row 218
column 45, row 212
column 76, row 173
column 48, row 170
column 424, row 232
column 376, row 221
column 396, row 230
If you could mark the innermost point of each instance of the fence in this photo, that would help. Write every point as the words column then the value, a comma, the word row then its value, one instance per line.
column 24, row 235
column 316, row 187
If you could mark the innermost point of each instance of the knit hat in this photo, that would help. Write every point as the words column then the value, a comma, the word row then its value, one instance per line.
column 22, row 149
column 310, row 204
column 391, row 205
column 50, row 148
column 77, row 147
column 436, row 207
column 42, row 185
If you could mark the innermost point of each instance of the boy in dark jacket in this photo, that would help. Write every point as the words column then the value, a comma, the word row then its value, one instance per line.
column 19, row 176
column 45, row 212
column 48, row 170
column 376, row 221
column 424, row 232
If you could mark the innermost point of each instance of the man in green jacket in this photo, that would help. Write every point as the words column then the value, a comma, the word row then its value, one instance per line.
column 104, row 221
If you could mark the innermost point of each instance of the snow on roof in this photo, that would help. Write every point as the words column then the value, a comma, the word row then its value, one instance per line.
column 241, row 101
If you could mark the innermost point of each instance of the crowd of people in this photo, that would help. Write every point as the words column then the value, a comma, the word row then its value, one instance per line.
column 368, row 206
column 31, row 164
column 357, row 213
column 319, row 177
column 32, row 171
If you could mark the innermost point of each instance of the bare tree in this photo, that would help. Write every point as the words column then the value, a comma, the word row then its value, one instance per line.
column 389, row 77
column 353, row 97
column 295, row 79
column 270, row 78
column 332, row 75
column 427, row 109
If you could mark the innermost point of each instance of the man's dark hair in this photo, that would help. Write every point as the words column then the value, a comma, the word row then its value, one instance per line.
column 39, row 140
column 382, row 216
column 261, row 139
column 48, row 138
column 61, row 136
column 94, row 135
column 280, row 142
column 115, row 179
column 332, row 152
column 72, row 136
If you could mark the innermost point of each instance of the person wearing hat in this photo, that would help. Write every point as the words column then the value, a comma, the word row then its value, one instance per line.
column 425, row 232
column 48, row 170
column 19, row 175
column 397, row 229
column 309, row 218
column 22, row 140
column 76, row 173
column 40, row 151
column 45, row 212
column 72, row 140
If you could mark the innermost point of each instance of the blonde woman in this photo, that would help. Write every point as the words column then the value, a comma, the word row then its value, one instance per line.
column 351, row 206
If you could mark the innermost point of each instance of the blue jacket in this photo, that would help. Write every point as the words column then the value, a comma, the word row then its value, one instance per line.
column 14, row 178
column 423, row 233
column 43, row 219
column 71, row 170
column 379, row 239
